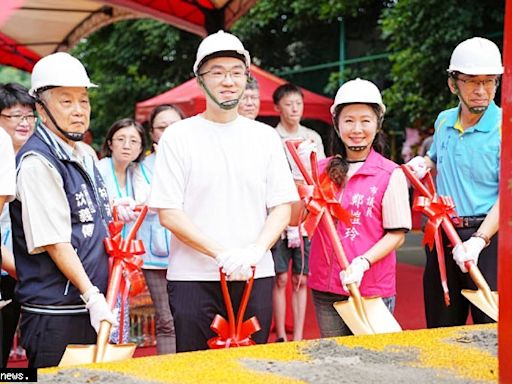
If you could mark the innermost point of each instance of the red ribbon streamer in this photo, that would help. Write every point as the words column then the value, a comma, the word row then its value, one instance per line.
column 125, row 252
column 438, row 210
column 231, row 333
column 319, row 196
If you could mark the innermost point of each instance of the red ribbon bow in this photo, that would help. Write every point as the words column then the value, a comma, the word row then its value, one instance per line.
column 125, row 252
column 320, row 198
column 436, row 209
column 233, row 333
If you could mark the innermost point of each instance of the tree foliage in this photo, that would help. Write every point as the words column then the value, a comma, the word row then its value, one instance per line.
column 293, row 34
column 13, row 75
column 132, row 61
column 421, row 35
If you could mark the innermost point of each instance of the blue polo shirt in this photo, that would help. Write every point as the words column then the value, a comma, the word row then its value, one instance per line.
column 468, row 163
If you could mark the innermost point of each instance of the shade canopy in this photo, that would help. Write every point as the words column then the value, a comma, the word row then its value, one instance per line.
column 40, row 27
column 189, row 97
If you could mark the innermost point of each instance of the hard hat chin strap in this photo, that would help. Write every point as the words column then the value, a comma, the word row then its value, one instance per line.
column 226, row 105
column 73, row 136
column 357, row 148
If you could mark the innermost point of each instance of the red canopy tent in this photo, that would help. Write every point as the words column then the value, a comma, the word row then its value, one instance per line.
column 190, row 99
column 40, row 27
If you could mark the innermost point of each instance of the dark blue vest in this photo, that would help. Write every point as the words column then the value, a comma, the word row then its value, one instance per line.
column 40, row 283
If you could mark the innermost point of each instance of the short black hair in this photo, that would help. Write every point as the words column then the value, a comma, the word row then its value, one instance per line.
column 12, row 94
column 284, row 90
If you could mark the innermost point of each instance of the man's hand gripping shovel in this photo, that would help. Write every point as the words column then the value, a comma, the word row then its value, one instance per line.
column 438, row 211
column 361, row 314
column 125, row 254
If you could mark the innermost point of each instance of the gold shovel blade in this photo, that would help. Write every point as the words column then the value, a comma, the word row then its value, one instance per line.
column 379, row 319
column 479, row 300
column 85, row 354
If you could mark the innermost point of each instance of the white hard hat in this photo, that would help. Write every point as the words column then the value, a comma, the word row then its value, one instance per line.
column 358, row 91
column 59, row 70
column 476, row 56
column 222, row 44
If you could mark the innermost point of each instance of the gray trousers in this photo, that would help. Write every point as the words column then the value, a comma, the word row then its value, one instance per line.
column 165, row 335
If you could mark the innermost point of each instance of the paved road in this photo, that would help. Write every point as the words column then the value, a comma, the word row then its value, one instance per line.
column 412, row 251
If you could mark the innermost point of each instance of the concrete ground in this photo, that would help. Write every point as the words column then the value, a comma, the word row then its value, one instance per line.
column 445, row 355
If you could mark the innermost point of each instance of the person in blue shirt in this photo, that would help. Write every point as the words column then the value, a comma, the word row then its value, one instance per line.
column 157, row 239
column 466, row 154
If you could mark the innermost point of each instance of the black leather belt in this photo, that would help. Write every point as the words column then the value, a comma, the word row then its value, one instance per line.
column 467, row 221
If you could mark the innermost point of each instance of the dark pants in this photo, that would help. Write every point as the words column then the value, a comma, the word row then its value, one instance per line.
column 439, row 315
column 10, row 315
column 194, row 304
column 45, row 337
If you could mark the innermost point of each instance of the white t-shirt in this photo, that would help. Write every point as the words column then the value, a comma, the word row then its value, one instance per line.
column 225, row 177
column 7, row 166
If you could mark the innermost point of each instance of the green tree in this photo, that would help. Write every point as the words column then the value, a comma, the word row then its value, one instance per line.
column 132, row 61
column 422, row 34
column 293, row 34
column 13, row 75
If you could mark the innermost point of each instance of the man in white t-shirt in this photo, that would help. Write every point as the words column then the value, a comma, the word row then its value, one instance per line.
column 289, row 102
column 222, row 186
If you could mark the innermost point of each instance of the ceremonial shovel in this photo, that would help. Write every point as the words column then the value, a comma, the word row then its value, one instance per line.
column 102, row 351
column 362, row 315
column 483, row 298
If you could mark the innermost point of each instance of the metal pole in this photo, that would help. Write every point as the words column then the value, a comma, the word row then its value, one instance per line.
column 341, row 67
column 505, row 232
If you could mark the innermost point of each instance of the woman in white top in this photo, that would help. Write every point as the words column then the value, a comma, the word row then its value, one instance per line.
column 157, row 239
column 124, row 178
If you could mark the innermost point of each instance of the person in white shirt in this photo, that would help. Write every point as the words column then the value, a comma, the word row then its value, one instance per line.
column 289, row 102
column 223, row 187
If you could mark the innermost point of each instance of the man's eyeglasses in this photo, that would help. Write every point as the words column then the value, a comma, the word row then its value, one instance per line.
column 16, row 119
column 474, row 83
column 218, row 74
column 124, row 140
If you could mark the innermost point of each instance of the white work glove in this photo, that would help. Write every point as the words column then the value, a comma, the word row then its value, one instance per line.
column 293, row 236
column 98, row 308
column 125, row 209
column 238, row 261
column 304, row 151
column 468, row 251
column 355, row 271
column 418, row 166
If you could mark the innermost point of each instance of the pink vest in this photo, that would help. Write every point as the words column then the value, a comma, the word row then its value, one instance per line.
column 362, row 197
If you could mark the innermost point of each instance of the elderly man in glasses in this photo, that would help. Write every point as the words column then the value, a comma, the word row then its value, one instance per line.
column 249, row 105
column 466, row 154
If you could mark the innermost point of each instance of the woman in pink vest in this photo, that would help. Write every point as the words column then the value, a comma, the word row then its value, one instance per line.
column 374, row 190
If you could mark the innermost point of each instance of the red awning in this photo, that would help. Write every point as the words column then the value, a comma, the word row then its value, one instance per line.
column 41, row 27
column 191, row 100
